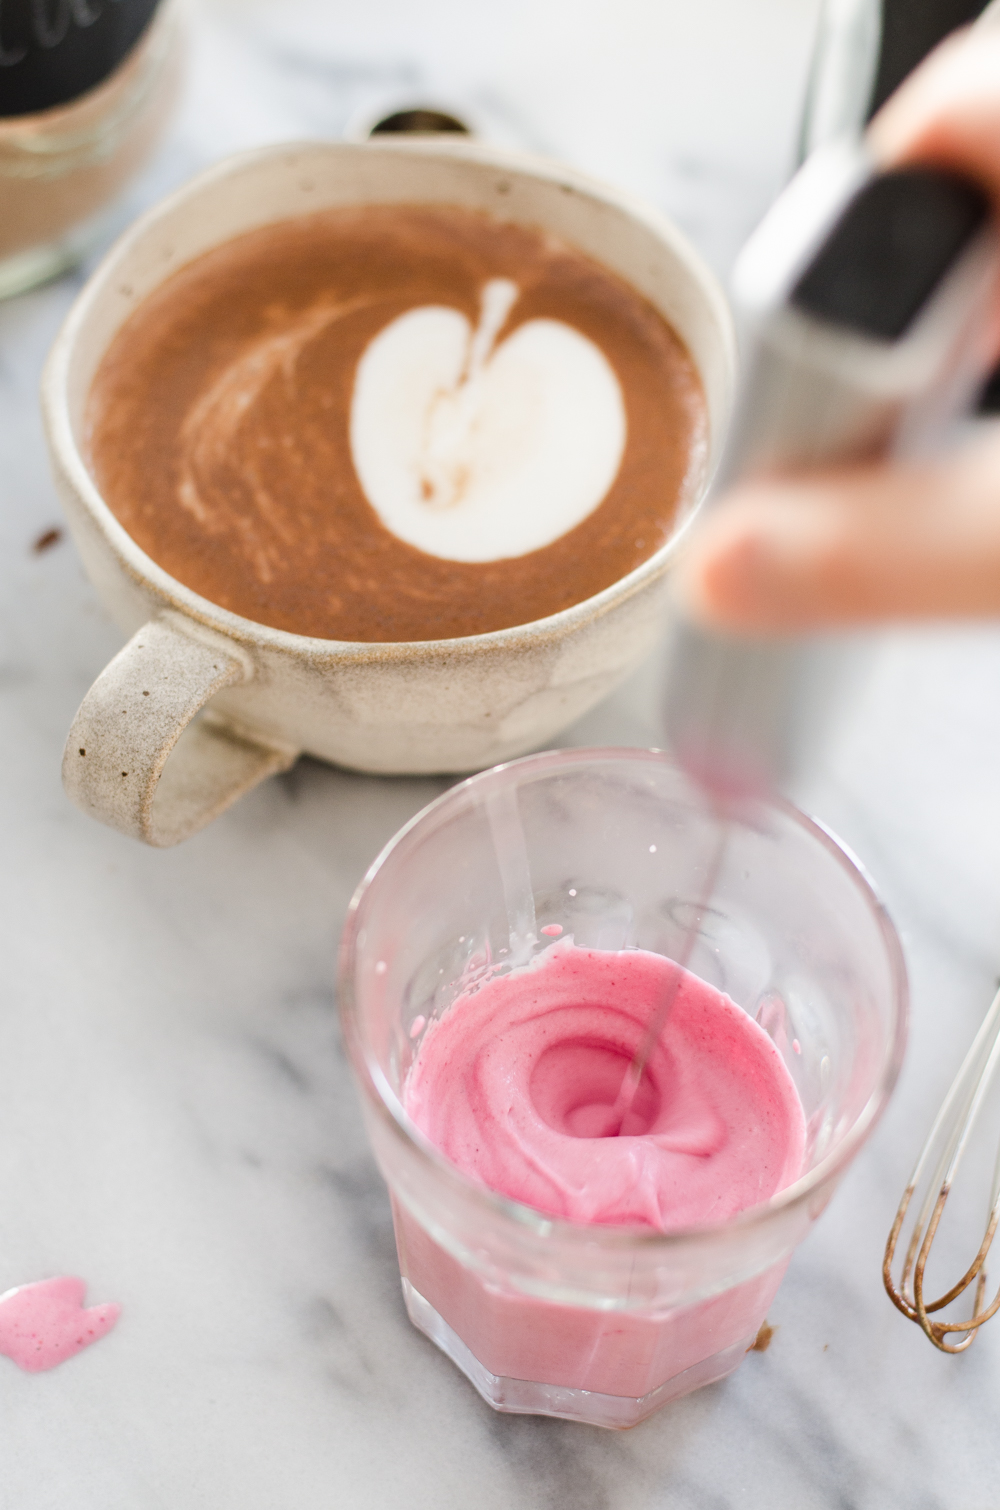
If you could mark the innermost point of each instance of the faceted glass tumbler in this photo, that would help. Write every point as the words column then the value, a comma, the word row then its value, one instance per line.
column 604, row 1324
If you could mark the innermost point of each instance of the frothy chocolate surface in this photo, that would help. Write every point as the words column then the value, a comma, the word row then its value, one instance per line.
column 218, row 423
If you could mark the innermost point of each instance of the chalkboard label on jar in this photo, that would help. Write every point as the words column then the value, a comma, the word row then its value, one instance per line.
column 51, row 51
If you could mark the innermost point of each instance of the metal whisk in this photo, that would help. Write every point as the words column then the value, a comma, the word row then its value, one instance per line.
column 934, row 1175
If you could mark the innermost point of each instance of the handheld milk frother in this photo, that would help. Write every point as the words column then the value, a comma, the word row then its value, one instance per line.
column 861, row 298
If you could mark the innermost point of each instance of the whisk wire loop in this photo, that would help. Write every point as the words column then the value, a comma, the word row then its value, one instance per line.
column 944, row 1149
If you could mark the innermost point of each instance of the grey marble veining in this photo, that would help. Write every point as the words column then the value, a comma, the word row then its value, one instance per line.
column 177, row 1122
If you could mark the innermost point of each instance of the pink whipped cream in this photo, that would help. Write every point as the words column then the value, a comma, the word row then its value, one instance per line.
column 512, row 1084
column 45, row 1323
column 517, row 1080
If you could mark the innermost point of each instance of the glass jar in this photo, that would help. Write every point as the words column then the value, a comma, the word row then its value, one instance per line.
column 605, row 1324
column 62, row 165
column 864, row 50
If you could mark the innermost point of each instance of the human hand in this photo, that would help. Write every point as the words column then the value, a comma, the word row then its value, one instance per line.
column 885, row 540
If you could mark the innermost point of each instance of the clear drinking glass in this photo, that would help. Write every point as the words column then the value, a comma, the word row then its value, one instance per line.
column 604, row 1323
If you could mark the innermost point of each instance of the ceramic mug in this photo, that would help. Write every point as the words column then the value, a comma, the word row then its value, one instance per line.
column 137, row 757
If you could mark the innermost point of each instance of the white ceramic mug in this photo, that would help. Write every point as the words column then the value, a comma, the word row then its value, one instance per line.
column 418, row 707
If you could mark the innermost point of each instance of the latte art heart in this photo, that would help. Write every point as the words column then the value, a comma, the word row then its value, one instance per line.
column 473, row 450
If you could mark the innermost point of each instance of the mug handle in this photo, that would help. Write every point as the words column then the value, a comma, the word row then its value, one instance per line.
column 122, row 763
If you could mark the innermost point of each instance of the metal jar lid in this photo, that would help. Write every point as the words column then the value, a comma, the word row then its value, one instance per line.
column 51, row 51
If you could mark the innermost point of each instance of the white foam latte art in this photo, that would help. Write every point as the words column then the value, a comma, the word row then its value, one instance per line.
column 473, row 451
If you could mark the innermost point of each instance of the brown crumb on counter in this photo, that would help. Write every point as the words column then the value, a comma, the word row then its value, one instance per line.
column 763, row 1339
column 46, row 540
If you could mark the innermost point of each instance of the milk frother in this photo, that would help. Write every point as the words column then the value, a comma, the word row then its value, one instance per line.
column 861, row 299
column 863, row 296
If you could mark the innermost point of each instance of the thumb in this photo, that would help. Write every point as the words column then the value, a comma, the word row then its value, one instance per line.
column 852, row 546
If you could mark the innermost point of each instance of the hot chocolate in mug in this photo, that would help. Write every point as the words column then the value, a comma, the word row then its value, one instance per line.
column 138, row 757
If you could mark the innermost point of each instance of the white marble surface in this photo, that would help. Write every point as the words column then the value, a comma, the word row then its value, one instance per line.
column 176, row 1118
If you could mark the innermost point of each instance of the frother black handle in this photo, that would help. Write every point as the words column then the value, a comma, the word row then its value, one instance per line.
column 889, row 250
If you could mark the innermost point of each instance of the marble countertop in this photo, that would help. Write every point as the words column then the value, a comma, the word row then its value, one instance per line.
column 177, row 1122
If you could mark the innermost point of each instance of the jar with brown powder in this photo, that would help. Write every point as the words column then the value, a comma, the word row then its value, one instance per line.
column 85, row 87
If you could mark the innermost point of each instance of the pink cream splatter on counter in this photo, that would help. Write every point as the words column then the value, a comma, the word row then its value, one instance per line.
column 43, row 1324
